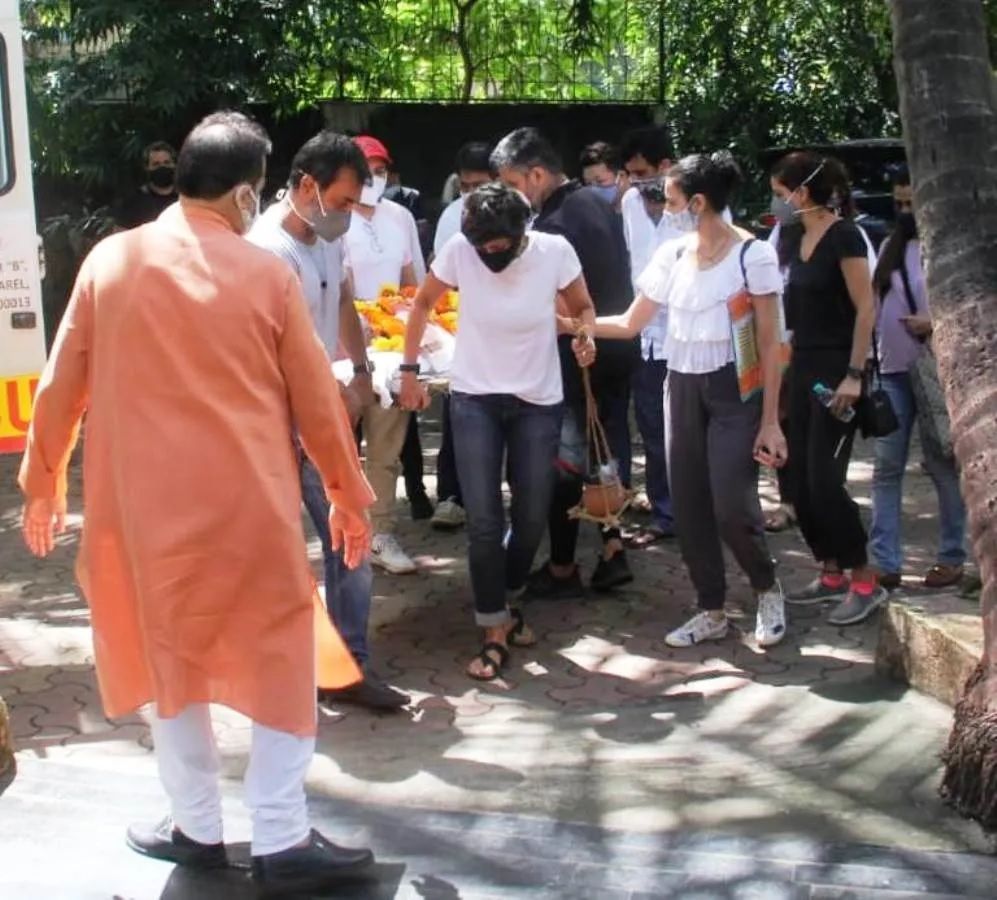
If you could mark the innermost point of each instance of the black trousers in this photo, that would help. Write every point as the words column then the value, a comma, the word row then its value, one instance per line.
column 710, row 434
column 413, row 466
column 820, row 448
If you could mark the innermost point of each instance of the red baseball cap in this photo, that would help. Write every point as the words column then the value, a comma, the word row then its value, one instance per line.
column 372, row 147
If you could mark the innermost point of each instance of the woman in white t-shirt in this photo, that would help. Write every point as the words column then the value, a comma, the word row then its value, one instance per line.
column 506, row 392
column 714, row 439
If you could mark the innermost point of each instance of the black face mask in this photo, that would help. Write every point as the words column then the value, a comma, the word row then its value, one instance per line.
column 162, row 176
column 907, row 224
column 652, row 190
column 497, row 260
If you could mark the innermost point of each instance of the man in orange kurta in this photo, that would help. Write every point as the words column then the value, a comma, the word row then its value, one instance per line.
column 193, row 356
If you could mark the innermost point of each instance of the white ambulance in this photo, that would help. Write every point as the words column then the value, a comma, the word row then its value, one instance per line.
column 22, row 331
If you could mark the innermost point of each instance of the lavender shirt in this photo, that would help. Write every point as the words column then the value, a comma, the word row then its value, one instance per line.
column 897, row 349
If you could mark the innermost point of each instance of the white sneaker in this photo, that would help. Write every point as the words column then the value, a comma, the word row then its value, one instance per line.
column 770, row 623
column 701, row 627
column 449, row 515
column 386, row 553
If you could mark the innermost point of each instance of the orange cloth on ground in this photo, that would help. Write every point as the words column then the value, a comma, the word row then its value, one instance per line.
column 193, row 354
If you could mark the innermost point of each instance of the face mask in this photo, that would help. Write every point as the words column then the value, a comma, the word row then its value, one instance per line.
column 162, row 176
column 249, row 216
column 651, row 189
column 606, row 191
column 783, row 210
column 497, row 260
column 683, row 221
column 372, row 193
column 907, row 225
column 330, row 224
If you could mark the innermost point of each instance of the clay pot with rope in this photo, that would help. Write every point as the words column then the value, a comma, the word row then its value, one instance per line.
column 604, row 497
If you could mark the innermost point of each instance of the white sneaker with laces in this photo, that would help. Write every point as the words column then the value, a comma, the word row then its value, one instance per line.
column 386, row 553
column 449, row 515
column 770, row 623
column 701, row 627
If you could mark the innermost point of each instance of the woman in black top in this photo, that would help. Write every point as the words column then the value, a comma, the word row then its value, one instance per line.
column 830, row 311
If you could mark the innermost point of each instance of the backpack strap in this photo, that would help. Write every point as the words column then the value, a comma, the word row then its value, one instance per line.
column 744, row 253
column 908, row 293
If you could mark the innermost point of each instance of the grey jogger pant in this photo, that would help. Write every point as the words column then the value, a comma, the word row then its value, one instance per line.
column 709, row 438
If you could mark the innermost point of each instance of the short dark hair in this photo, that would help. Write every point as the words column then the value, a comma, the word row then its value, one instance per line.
column 325, row 156
column 223, row 150
column 158, row 147
column 651, row 142
column 600, row 152
column 717, row 177
column 494, row 211
column 526, row 148
column 825, row 177
column 474, row 156
column 900, row 175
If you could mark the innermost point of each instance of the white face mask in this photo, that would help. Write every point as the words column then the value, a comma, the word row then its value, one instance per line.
column 684, row 221
column 372, row 193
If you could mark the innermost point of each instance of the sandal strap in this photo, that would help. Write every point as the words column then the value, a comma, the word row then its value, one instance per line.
column 500, row 650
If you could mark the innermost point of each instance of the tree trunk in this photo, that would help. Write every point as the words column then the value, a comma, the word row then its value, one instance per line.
column 948, row 103
column 8, row 765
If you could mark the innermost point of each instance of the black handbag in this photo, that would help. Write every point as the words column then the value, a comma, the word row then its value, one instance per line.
column 876, row 416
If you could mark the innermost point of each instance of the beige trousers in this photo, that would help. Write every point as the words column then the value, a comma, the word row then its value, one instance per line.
column 384, row 435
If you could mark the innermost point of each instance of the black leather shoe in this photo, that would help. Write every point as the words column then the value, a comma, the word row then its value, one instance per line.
column 371, row 692
column 545, row 585
column 319, row 864
column 612, row 573
column 163, row 841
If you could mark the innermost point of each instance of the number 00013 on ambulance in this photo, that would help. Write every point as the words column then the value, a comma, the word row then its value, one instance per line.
column 22, row 332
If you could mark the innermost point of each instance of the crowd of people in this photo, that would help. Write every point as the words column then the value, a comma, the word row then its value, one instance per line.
column 200, row 346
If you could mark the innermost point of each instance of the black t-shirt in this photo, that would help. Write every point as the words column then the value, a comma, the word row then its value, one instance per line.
column 819, row 309
column 143, row 206
column 595, row 231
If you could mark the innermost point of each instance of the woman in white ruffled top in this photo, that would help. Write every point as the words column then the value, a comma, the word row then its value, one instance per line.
column 714, row 439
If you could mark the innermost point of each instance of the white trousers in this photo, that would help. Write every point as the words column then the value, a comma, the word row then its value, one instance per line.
column 189, row 768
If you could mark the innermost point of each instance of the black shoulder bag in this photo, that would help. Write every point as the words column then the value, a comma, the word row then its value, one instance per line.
column 876, row 416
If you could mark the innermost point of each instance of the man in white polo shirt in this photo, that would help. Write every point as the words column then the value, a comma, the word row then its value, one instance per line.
column 305, row 228
column 382, row 248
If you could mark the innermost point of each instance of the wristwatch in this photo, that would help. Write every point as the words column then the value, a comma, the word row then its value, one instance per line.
column 414, row 368
column 364, row 368
column 855, row 373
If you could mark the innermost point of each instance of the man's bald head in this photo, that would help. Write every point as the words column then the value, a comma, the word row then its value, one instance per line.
column 225, row 149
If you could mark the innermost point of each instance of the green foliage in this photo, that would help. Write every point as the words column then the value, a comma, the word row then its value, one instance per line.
column 743, row 75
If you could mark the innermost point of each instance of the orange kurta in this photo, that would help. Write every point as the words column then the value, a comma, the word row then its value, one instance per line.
column 192, row 353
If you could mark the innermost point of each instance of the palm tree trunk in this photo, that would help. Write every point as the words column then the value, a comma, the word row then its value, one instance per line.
column 8, row 765
column 948, row 102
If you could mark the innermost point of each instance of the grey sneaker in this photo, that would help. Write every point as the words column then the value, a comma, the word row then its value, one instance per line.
column 856, row 608
column 817, row 592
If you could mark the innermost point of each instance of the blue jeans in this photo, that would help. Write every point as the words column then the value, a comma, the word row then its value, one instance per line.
column 347, row 591
column 887, row 487
column 649, row 407
column 487, row 428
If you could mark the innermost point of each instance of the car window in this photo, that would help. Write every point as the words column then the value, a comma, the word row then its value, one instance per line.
column 6, row 145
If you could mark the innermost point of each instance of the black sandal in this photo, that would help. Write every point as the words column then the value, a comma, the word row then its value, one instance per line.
column 497, row 666
column 518, row 635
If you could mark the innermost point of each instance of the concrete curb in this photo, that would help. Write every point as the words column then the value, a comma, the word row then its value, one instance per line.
column 931, row 642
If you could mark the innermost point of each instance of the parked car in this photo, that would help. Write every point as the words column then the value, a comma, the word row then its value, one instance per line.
column 870, row 163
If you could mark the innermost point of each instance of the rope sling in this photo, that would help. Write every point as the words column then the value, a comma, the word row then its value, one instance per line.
column 605, row 501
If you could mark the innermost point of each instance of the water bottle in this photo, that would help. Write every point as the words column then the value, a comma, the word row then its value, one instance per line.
column 825, row 395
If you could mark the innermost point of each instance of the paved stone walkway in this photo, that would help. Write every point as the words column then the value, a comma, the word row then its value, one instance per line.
column 604, row 765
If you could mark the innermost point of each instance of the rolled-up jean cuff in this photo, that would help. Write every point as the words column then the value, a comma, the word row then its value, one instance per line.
column 492, row 620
